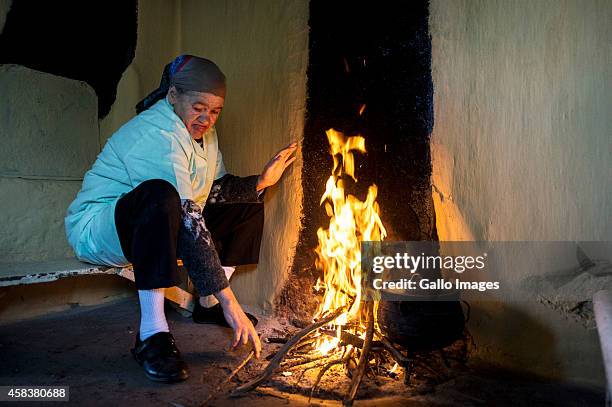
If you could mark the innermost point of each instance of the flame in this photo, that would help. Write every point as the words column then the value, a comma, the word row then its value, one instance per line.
column 338, row 251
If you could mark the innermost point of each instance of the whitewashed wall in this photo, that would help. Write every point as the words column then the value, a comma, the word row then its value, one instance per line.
column 522, row 146
column 49, row 136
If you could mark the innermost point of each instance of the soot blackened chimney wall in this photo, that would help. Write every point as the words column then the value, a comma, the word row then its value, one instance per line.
column 379, row 56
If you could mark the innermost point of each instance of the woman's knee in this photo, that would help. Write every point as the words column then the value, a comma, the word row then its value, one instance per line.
column 161, row 196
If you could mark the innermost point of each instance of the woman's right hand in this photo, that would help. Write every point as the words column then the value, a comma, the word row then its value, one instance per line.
column 244, row 331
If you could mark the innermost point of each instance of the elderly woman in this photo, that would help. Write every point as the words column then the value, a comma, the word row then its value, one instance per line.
column 146, row 201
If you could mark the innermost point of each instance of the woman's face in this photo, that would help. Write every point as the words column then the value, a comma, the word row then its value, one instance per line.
column 198, row 110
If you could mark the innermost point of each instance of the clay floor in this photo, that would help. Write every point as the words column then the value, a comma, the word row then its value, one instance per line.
column 87, row 348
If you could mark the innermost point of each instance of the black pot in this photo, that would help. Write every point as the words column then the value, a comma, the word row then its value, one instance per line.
column 421, row 325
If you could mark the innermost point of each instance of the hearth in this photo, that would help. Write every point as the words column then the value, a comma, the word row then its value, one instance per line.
column 370, row 108
column 351, row 329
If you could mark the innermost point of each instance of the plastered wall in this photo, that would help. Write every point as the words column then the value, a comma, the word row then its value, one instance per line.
column 262, row 47
column 49, row 133
column 521, row 151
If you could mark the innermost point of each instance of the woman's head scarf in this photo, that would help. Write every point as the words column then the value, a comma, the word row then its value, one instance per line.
column 187, row 73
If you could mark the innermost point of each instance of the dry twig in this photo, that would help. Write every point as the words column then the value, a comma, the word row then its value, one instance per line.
column 325, row 368
column 219, row 388
column 396, row 354
column 321, row 374
column 348, row 338
column 277, row 339
column 364, row 358
column 304, row 361
column 299, row 378
column 275, row 362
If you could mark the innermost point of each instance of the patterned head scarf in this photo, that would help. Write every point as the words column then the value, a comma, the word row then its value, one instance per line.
column 187, row 73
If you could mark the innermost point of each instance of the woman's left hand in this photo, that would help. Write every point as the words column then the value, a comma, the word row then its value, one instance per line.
column 276, row 166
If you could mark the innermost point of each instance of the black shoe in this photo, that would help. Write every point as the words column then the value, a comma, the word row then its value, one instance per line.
column 160, row 358
column 214, row 315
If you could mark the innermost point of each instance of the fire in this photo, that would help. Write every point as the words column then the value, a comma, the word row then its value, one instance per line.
column 338, row 251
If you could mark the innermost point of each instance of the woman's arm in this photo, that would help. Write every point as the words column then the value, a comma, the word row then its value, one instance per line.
column 244, row 332
column 276, row 166
column 232, row 189
column 197, row 250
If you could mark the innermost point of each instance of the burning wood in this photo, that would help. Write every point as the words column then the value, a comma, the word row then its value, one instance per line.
column 345, row 331
column 275, row 362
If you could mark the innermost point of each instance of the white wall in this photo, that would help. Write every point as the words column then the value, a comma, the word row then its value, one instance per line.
column 522, row 147
column 49, row 135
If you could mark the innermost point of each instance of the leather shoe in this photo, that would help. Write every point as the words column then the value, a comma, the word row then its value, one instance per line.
column 214, row 315
column 160, row 358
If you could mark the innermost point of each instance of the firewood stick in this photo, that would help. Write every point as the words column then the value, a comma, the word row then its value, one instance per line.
column 300, row 362
column 304, row 342
column 276, row 339
column 395, row 354
column 275, row 362
column 315, row 366
column 350, row 339
column 219, row 388
column 321, row 374
column 325, row 368
column 364, row 358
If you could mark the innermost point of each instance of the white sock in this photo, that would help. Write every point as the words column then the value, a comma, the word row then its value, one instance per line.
column 210, row 300
column 152, row 317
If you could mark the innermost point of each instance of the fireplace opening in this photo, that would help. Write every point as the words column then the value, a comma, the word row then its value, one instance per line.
column 380, row 58
column 370, row 91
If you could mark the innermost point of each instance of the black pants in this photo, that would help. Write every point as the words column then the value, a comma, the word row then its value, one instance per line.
column 148, row 220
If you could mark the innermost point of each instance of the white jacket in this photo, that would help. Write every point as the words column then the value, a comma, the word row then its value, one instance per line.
column 153, row 145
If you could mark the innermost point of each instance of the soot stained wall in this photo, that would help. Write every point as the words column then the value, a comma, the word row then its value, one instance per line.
column 381, row 57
